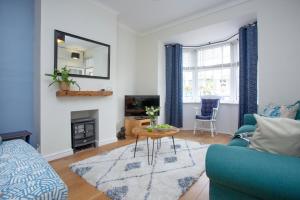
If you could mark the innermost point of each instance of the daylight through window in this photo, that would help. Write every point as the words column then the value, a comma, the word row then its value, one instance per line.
column 211, row 70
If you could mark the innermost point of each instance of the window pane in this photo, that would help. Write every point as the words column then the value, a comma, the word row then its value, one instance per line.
column 226, row 54
column 187, row 59
column 204, row 74
column 214, row 82
column 187, row 86
column 214, row 56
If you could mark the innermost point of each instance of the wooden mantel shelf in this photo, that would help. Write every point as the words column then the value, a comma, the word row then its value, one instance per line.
column 61, row 93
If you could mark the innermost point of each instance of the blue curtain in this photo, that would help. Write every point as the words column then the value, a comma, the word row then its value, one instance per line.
column 173, row 105
column 248, row 70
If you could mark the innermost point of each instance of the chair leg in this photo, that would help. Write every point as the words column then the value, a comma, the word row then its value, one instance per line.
column 202, row 126
column 215, row 129
column 212, row 129
column 195, row 126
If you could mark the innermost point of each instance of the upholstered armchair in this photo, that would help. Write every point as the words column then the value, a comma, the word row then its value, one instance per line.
column 207, row 113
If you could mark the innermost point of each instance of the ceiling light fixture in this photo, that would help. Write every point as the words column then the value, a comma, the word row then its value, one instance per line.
column 75, row 55
column 60, row 38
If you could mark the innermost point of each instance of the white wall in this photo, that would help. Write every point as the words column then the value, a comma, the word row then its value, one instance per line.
column 126, row 69
column 279, row 48
column 99, row 56
column 278, row 32
column 89, row 20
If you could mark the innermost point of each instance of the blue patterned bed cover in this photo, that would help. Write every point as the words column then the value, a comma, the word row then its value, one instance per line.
column 25, row 174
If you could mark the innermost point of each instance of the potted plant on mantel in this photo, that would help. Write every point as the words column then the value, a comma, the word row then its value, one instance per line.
column 62, row 78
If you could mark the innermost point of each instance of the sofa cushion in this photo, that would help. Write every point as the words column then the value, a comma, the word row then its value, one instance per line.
column 249, row 119
column 298, row 115
column 277, row 135
column 258, row 174
column 246, row 128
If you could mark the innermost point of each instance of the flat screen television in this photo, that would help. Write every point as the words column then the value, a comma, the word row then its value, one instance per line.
column 135, row 104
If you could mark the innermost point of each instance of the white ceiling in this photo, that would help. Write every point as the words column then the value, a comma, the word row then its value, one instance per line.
column 212, row 33
column 145, row 15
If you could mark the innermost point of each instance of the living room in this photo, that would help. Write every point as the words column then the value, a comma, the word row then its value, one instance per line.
column 142, row 43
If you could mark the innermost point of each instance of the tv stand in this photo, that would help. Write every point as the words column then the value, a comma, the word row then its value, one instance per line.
column 133, row 122
column 140, row 117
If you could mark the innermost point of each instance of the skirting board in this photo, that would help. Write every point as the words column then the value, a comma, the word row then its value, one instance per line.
column 69, row 152
column 106, row 141
column 199, row 131
column 57, row 155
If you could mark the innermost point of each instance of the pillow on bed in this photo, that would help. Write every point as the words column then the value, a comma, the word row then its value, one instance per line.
column 277, row 135
column 0, row 140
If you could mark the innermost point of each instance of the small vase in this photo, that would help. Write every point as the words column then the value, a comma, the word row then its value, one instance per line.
column 152, row 122
column 64, row 86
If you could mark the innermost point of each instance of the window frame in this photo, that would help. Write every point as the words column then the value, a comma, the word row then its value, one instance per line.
column 234, row 73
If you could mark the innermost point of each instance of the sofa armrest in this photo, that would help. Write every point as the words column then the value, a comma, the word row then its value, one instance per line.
column 249, row 119
column 259, row 174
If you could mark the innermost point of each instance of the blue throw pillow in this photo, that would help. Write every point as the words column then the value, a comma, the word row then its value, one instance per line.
column 0, row 140
column 271, row 110
column 285, row 111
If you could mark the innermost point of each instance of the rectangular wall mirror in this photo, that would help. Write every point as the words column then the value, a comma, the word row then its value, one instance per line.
column 82, row 56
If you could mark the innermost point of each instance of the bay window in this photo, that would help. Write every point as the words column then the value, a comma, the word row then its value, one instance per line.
column 211, row 70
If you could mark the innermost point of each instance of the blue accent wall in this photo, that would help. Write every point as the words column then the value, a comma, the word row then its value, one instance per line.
column 16, row 64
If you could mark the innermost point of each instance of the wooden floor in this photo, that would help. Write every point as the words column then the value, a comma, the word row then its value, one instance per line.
column 81, row 190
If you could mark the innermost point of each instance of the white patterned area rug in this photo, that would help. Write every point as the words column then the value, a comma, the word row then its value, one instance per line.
column 121, row 176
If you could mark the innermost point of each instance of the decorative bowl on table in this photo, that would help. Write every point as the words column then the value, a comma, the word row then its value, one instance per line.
column 160, row 127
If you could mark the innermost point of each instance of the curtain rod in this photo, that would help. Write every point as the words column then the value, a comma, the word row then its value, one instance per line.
column 221, row 41
column 211, row 43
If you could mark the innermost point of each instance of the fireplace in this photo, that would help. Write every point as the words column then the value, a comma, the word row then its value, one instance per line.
column 83, row 129
column 83, row 133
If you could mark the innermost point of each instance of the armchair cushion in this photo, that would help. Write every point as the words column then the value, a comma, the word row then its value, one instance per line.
column 208, row 105
column 203, row 117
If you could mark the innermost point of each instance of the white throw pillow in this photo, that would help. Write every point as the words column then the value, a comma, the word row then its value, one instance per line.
column 277, row 135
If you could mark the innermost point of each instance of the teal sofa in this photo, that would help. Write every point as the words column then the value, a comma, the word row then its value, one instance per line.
column 238, row 172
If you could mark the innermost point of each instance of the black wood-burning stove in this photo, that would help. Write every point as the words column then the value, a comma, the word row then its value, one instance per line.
column 83, row 133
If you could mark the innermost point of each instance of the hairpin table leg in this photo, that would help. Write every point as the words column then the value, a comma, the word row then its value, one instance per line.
column 152, row 152
column 174, row 144
column 148, row 151
column 137, row 137
column 159, row 142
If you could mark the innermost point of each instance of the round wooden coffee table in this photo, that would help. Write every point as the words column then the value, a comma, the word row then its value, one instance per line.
column 154, row 135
